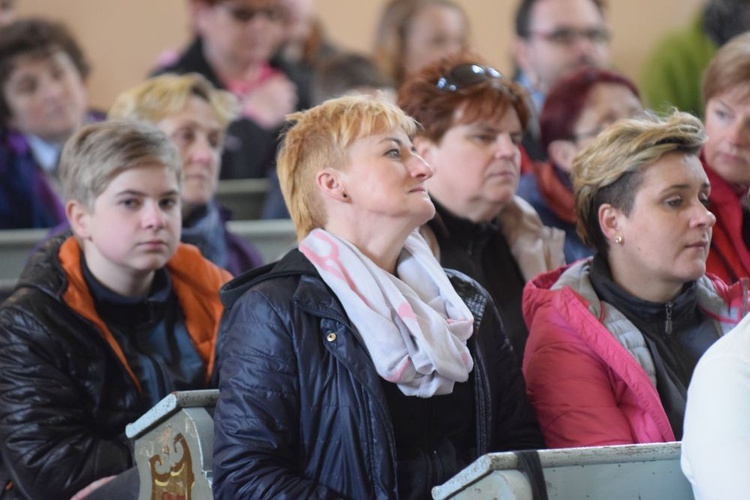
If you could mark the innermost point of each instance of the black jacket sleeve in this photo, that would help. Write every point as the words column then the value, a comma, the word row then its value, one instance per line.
column 49, row 446
column 516, row 426
column 257, row 416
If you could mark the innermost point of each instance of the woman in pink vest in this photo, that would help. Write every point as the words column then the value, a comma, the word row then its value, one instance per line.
column 614, row 339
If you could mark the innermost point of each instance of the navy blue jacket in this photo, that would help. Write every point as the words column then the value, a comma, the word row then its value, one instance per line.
column 302, row 412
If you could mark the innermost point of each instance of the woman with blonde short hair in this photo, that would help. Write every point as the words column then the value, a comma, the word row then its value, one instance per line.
column 613, row 339
column 355, row 367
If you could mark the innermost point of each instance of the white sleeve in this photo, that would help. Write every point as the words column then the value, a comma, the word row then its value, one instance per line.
column 716, row 440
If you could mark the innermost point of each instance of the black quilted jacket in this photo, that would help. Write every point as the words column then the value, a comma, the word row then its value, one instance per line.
column 302, row 412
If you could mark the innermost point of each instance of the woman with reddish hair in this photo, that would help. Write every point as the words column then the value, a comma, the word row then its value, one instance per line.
column 577, row 108
column 472, row 121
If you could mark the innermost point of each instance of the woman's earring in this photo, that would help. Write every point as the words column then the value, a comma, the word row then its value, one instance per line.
column 619, row 239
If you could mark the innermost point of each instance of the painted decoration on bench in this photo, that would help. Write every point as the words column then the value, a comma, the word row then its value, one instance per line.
column 172, row 475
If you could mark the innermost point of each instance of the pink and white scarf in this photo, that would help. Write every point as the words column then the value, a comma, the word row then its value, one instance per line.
column 414, row 325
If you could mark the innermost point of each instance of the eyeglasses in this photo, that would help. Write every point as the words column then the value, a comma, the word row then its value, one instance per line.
column 247, row 14
column 466, row 75
column 569, row 36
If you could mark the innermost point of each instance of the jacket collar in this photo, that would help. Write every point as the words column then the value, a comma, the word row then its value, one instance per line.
column 312, row 293
column 195, row 282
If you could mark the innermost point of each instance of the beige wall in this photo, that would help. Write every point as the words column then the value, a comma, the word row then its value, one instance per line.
column 124, row 37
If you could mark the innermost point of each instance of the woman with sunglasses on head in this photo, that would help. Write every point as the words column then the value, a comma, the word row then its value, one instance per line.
column 233, row 48
column 614, row 339
column 355, row 367
column 472, row 124
column 575, row 111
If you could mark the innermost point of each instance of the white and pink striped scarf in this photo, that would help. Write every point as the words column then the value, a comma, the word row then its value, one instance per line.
column 414, row 325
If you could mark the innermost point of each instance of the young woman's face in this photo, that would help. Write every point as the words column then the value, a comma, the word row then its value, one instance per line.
column 198, row 135
column 435, row 31
column 728, row 127
column 46, row 96
column 477, row 166
column 133, row 229
column 666, row 236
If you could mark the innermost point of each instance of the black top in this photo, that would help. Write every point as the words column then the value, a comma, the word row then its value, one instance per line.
column 435, row 437
column 152, row 330
column 677, row 334
column 482, row 252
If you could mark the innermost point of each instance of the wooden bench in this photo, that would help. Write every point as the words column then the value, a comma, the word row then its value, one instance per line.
column 244, row 197
column 174, row 443
column 174, row 446
column 15, row 247
column 645, row 471
column 273, row 238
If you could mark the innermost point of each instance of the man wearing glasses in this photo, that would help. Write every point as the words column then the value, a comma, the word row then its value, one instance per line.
column 552, row 38
column 233, row 49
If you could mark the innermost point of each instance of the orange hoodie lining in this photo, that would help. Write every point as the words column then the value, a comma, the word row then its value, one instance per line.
column 201, row 316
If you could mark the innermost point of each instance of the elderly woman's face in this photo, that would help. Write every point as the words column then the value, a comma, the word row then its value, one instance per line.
column 728, row 127
column 46, row 96
column 477, row 165
column 666, row 236
column 385, row 181
column 198, row 135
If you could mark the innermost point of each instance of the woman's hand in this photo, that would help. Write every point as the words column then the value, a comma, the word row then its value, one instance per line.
column 269, row 102
column 81, row 495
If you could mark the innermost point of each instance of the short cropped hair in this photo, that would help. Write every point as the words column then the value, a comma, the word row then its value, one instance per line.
column 565, row 101
column 393, row 30
column 167, row 95
column 37, row 38
column 435, row 108
column 320, row 138
column 729, row 69
column 99, row 152
column 341, row 73
column 610, row 170
column 523, row 16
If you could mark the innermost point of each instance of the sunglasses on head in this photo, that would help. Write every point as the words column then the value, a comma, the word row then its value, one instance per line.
column 466, row 75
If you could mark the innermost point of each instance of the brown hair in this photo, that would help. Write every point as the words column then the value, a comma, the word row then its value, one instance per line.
column 435, row 108
column 35, row 37
column 729, row 68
